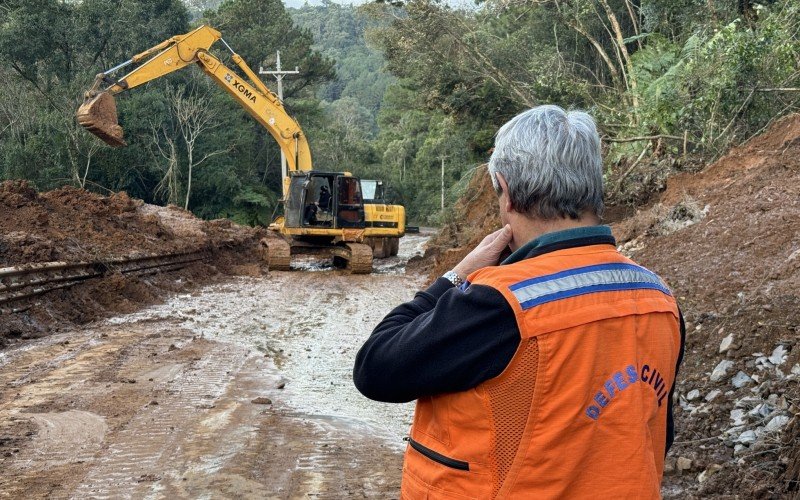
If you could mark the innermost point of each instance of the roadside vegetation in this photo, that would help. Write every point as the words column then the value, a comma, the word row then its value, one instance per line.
column 399, row 91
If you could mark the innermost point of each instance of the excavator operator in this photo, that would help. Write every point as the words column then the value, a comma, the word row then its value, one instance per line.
column 549, row 374
column 321, row 204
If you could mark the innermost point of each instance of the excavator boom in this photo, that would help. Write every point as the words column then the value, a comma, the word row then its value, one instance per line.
column 98, row 113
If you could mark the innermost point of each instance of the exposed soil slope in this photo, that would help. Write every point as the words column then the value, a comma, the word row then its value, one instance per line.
column 727, row 240
column 475, row 216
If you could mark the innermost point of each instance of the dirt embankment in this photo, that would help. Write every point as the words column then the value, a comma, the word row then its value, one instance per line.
column 727, row 240
column 474, row 216
column 73, row 225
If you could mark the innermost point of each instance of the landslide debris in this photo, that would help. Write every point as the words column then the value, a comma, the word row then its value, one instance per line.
column 727, row 240
column 74, row 225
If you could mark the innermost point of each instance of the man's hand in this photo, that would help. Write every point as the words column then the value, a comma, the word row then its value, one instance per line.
column 487, row 253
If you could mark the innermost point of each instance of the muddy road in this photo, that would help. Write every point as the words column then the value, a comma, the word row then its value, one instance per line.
column 238, row 390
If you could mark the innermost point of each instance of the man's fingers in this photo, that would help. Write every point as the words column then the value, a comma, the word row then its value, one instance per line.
column 502, row 238
column 490, row 238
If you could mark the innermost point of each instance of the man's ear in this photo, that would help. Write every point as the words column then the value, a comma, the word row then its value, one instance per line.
column 509, row 207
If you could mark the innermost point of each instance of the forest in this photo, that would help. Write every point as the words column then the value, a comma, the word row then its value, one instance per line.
column 410, row 92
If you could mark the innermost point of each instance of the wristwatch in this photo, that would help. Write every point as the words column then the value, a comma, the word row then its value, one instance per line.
column 453, row 278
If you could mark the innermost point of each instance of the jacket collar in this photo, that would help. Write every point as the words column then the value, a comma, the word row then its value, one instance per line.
column 559, row 240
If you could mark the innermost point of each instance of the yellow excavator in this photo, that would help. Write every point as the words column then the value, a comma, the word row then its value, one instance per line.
column 323, row 212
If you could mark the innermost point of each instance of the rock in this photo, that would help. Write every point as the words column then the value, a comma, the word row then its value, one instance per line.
column 778, row 355
column 760, row 411
column 796, row 369
column 683, row 464
column 711, row 396
column 740, row 380
column 777, row 423
column 721, row 370
column 710, row 471
column 669, row 466
column 261, row 401
column 281, row 385
column 153, row 403
column 737, row 417
column 747, row 438
column 763, row 389
column 726, row 343
column 763, row 363
column 693, row 394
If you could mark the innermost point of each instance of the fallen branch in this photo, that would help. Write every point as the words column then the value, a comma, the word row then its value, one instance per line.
column 625, row 174
column 643, row 138
column 780, row 89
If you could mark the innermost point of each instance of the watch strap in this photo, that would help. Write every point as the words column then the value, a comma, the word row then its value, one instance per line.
column 453, row 278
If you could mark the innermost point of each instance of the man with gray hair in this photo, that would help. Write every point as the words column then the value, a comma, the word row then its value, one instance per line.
column 549, row 374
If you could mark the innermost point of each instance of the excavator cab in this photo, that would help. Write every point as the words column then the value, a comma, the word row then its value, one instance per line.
column 324, row 200
column 349, row 203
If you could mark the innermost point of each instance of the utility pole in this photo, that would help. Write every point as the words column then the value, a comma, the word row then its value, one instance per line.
column 443, row 157
column 279, row 74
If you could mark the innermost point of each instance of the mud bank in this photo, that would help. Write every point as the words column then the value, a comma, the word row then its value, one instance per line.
column 75, row 226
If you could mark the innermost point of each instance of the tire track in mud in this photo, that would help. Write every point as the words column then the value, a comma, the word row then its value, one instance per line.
column 312, row 343
column 145, row 448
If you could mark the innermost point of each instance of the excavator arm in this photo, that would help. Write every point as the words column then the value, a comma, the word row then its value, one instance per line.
column 98, row 112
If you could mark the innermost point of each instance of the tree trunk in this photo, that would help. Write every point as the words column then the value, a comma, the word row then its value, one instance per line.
column 189, row 181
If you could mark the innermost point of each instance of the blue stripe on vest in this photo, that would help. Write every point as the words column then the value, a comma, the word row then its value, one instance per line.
column 584, row 280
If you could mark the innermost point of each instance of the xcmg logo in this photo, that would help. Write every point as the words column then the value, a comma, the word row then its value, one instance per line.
column 241, row 88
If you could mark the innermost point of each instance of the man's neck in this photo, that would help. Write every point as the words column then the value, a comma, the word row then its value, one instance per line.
column 527, row 229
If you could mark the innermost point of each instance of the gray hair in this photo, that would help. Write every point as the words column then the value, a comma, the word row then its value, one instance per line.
column 551, row 161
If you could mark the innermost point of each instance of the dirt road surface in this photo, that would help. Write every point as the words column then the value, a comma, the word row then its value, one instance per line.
column 238, row 390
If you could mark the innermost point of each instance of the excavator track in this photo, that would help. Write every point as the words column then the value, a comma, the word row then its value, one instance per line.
column 277, row 253
column 383, row 247
column 357, row 255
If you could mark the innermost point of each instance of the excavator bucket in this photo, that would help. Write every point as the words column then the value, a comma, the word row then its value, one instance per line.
column 98, row 115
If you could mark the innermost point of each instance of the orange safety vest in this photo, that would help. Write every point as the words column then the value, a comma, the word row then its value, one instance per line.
column 581, row 409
